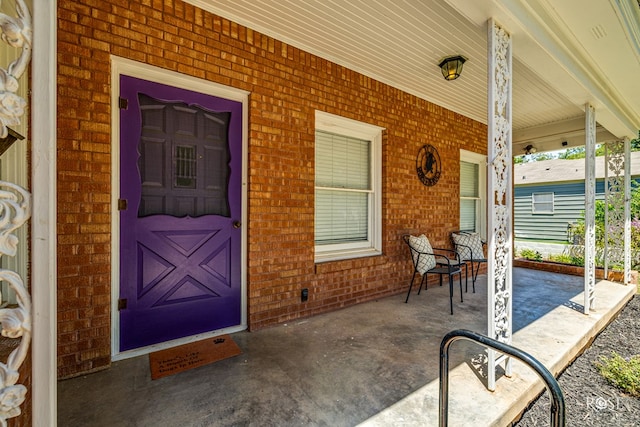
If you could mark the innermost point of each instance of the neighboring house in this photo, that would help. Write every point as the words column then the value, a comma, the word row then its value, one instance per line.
column 550, row 195
column 198, row 166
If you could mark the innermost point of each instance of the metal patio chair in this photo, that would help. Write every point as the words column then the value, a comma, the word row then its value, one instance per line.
column 471, row 249
column 429, row 260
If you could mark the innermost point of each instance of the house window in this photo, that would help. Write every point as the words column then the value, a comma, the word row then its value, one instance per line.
column 472, row 192
column 542, row 203
column 348, row 198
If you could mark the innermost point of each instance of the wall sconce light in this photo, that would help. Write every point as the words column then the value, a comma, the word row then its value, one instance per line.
column 8, row 140
column 530, row 149
column 565, row 143
column 452, row 67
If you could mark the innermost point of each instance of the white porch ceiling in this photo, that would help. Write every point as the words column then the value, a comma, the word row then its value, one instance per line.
column 564, row 53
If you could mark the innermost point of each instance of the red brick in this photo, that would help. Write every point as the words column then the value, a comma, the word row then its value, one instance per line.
column 286, row 86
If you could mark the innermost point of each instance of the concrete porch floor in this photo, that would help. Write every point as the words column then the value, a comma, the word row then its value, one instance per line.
column 374, row 364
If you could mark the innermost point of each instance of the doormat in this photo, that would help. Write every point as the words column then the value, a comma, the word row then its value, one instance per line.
column 188, row 356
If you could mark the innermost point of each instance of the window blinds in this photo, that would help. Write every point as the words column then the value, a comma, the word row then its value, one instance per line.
column 468, row 179
column 343, row 188
column 469, row 195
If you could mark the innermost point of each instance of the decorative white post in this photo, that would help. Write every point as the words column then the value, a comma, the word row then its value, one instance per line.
column 627, row 211
column 15, row 210
column 499, row 196
column 15, row 203
column 17, row 33
column 590, row 209
column 616, row 215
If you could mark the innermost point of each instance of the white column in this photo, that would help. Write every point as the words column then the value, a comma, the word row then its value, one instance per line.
column 616, row 214
column 43, row 224
column 627, row 211
column 499, row 194
column 590, row 207
column 607, row 202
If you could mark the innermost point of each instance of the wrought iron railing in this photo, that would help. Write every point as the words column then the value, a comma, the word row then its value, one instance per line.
column 557, row 398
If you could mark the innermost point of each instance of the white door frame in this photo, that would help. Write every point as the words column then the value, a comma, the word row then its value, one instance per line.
column 143, row 71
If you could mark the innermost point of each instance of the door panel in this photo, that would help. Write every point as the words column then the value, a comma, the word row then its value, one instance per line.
column 181, row 176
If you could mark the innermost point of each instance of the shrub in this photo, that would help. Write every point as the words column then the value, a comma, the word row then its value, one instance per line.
column 561, row 258
column 622, row 373
column 570, row 259
column 577, row 260
column 575, row 235
column 530, row 254
column 635, row 244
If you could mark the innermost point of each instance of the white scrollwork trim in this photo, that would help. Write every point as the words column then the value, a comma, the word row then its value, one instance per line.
column 590, row 207
column 17, row 33
column 15, row 322
column 615, row 199
column 15, row 210
column 500, row 167
column 500, row 195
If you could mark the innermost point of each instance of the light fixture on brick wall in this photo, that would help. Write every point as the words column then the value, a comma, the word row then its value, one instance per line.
column 452, row 66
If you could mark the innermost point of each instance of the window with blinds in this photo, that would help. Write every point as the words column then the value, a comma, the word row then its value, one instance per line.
column 343, row 191
column 542, row 203
column 469, row 196
column 348, row 188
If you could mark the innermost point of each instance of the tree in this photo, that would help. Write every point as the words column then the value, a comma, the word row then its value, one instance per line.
column 569, row 153
column 580, row 152
column 526, row 158
column 573, row 153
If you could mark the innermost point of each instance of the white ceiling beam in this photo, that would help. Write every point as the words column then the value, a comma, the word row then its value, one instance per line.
column 543, row 27
column 545, row 45
column 561, row 130
column 557, row 136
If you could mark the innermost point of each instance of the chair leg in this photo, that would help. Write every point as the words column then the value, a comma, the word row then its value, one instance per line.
column 411, row 286
column 466, row 277
column 474, row 274
column 451, row 292
column 460, row 278
column 424, row 282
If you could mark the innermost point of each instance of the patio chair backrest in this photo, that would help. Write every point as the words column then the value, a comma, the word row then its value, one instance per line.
column 421, row 252
column 468, row 245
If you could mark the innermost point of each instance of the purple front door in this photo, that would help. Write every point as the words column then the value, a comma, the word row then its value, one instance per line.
column 180, row 211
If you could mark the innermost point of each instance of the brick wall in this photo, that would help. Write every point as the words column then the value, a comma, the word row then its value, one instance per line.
column 286, row 86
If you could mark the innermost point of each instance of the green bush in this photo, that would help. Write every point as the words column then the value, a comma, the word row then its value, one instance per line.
column 567, row 259
column 530, row 254
column 622, row 373
column 561, row 258
column 577, row 260
column 576, row 232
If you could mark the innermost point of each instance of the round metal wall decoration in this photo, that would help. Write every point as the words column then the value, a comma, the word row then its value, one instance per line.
column 428, row 165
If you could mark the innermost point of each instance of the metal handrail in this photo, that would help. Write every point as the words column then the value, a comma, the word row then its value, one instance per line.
column 557, row 403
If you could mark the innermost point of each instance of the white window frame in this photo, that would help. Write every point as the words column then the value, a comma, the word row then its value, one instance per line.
column 481, row 206
column 373, row 245
column 535, row 211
